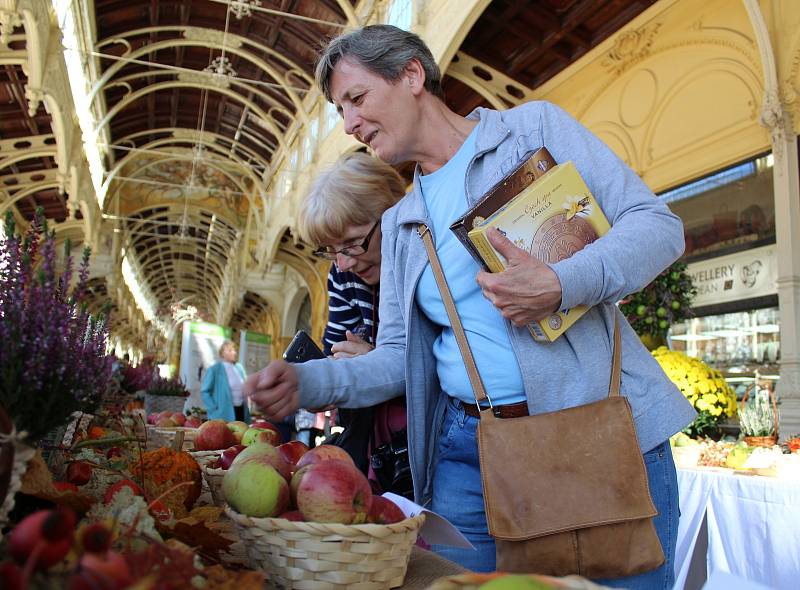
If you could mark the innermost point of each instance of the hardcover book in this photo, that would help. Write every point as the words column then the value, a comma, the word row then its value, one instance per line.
column 512, row 184
column 552, row 218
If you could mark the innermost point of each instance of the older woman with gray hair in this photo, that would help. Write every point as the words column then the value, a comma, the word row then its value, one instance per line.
column 387, row 87
column 222, row 387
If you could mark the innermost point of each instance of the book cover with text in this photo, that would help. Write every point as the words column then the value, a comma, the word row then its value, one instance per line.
column 551, row 219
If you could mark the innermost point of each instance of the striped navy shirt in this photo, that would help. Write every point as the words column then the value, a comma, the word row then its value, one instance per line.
column 352, row 305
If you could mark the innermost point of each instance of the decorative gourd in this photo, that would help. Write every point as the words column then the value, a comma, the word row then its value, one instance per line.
column 165, row 468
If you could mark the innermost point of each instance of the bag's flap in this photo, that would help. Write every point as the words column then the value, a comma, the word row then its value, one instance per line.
column 563, row 470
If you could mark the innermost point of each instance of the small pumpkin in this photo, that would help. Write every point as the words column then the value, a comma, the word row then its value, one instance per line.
column 163, row 469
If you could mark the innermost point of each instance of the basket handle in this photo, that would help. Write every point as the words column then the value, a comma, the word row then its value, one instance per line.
column 771, row 399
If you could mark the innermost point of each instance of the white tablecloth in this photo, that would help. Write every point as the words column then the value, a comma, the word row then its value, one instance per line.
column 753, row 526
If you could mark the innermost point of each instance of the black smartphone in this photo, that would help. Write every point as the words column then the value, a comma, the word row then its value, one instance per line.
column 302, row 348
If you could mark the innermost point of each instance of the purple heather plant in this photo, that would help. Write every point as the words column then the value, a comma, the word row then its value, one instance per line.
column 53, row 357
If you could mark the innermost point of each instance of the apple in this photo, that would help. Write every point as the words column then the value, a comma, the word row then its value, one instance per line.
column 213, row 435
column 238, row 428
column 322, row 453
column 164, row 414
column 268, row 455
column 228, row 455
column 117, row 486
column 178, row 418
column 292, row 515
column 294, row 483
column 79, row 473
column 255, row 489
column 384, row 511
column 193, row 422
column 264, row 435
column 166, row 423
column 152, row 418
column 334, row 491
column 292, row 451
column 266, row 425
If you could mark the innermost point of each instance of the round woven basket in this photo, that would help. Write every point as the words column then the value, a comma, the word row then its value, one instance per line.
column 213, row 477
column 761, row 441
column 322, row 556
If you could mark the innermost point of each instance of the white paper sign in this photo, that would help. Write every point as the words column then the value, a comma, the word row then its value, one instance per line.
column 437, row 530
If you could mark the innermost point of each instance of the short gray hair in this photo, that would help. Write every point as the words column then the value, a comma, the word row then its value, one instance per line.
column 384, row 50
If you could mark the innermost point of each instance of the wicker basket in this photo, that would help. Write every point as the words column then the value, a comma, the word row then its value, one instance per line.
column 763, row 441
column 158, row 437
column 213, row 477
column 318, row 556
column 474, row 581
column 163, row 403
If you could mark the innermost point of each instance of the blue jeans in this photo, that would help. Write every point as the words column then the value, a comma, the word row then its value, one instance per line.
column 458, row 496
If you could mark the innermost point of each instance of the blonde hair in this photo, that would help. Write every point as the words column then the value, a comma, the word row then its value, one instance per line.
column 225, row 344
column 356, row 190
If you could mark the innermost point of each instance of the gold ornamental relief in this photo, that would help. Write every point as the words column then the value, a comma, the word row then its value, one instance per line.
column 630, row 47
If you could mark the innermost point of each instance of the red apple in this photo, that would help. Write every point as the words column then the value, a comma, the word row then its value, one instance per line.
column 117, row 486
column 166, row 423
column 152, row 418
column 238, row 428
column 322, row 453
column 294, row 483
column 79, row 473
column 384, row 511
column 193, row 422
column 266, row 425
column 164, row 414
column 229, row 454
column 292, row 451
column 292, row 515
column 268, row 455
column 178, row 418
column 255, row 489
column 212, row 436
column 334, row 491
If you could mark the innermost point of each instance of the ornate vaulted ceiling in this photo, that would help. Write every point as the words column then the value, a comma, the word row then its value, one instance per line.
column 194, row 104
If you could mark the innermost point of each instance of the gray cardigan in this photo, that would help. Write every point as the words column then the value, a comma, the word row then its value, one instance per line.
column 645, row 238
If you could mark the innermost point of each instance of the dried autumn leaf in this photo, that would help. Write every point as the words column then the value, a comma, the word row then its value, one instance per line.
column 167, row 567
column 219, row 578
column 38, row 482
column 201, row 535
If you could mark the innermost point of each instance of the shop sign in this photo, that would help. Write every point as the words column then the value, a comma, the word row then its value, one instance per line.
column 743, row 275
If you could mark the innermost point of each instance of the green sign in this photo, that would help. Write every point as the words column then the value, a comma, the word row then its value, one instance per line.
column 209, row 329
column 258, row 338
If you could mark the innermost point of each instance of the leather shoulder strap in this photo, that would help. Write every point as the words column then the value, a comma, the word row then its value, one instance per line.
column 452, row 315
column 616, row 360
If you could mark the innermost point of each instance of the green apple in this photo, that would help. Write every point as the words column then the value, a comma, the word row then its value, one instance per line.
column 515, row 582
column 256, row 489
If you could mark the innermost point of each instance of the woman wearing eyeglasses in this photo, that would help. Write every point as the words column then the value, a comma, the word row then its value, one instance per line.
column 342, row 214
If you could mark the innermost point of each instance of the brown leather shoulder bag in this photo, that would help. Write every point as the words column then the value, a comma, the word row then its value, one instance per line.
column 579, row 502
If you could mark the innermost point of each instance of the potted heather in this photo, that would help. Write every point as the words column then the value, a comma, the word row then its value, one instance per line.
column 53, row 358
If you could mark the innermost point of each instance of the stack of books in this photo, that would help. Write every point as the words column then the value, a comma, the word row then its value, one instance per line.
column 546, row 210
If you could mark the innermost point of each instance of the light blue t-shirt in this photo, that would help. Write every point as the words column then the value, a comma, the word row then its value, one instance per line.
column 486, row 331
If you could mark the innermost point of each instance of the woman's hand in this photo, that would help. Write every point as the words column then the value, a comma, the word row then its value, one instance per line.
column 527, row 290
column 353, row 346
column 274, row 390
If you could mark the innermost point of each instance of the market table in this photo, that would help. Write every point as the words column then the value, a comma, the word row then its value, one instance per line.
column 753, row 526
column 425, row 567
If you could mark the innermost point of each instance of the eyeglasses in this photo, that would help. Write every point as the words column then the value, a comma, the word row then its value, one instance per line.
column 354, row 250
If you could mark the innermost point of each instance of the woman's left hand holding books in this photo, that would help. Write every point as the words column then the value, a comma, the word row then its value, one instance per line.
column 527, row 291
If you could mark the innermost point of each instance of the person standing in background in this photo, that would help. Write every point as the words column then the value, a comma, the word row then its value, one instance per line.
column 222, row 387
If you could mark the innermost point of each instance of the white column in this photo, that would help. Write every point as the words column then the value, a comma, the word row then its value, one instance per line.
column 777, row 119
